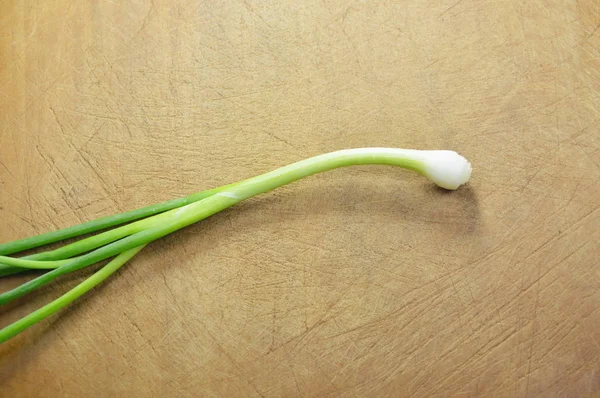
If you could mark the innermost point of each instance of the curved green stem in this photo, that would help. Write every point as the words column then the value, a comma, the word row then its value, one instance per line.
column 67, row 298
column 31, row 264
column 194, row 212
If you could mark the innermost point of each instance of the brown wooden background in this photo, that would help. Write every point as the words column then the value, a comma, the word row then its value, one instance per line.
column 359, row 282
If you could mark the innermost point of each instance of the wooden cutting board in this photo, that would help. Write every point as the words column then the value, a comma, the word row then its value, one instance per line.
column 364, row 281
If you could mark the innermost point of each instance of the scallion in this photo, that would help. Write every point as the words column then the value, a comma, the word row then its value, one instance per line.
column 445, row 168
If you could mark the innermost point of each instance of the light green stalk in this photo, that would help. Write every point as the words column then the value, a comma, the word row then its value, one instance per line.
column 32, row 264
column 67, row 298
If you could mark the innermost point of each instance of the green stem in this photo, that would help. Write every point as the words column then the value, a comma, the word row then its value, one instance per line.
column 95, row 241
column 212, row 204
column 228, row 197
column 6, row 270
column 55, row 258
column 31, row 264
column 67, row 298
column 100, row 223
column 62, row 255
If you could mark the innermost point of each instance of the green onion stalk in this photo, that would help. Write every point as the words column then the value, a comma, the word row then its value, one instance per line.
column 137, row 228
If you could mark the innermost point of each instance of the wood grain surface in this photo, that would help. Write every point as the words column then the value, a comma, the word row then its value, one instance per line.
column 363, row 281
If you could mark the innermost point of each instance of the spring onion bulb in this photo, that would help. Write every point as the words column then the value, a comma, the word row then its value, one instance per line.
column 447, row 169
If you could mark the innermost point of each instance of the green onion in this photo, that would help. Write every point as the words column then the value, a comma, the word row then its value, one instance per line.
column 445, row 168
